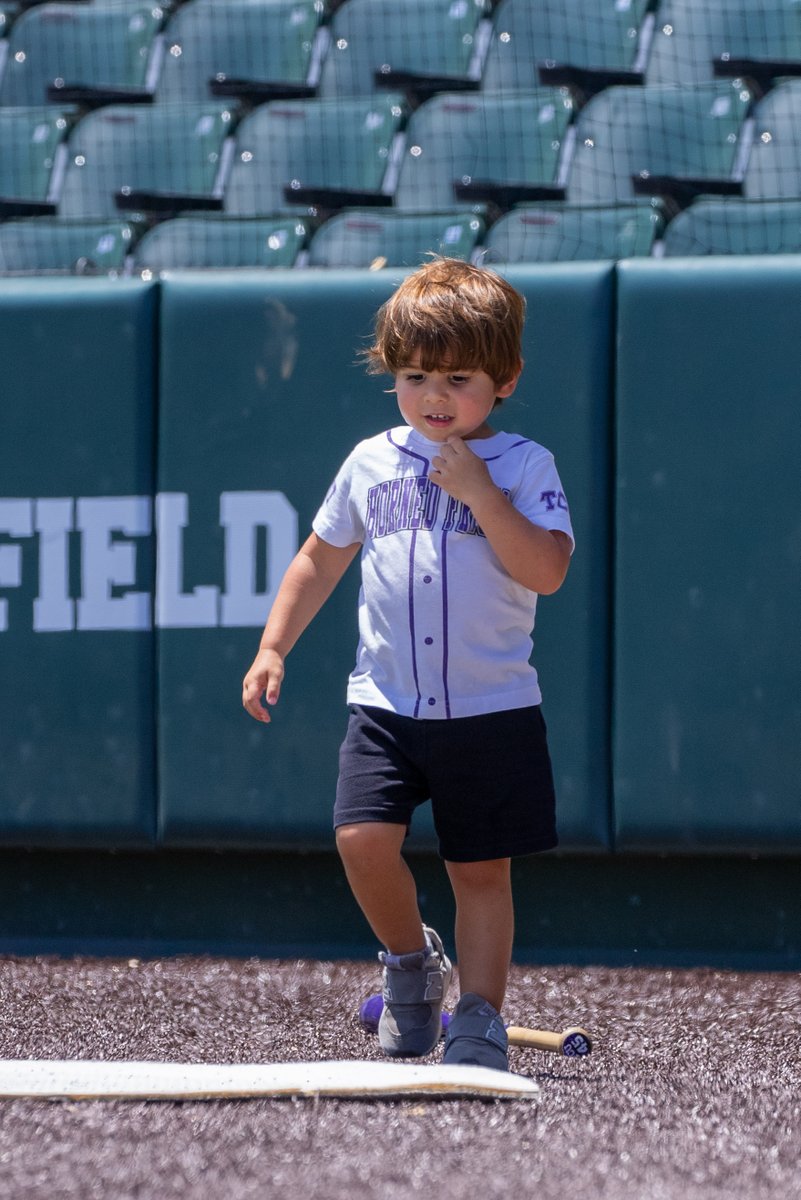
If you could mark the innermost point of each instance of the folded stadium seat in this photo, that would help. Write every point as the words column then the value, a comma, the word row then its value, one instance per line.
column 161, row 159
column 417, row 46
column 199, row 242
column 677, row 143
column 32, row 160
column 485, row 149
column 558, row 42
column 735, row 227
column 92, row 54
column 315, row 153
column 7, row 14
column 363, row 238
column 695, row 42
column 53, row 246
column 774, row 164
column 256, row 50
column 557, row 233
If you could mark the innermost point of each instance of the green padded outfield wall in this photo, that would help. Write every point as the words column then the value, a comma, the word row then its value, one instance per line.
column 564, row 401
column 707, row 748
column 77, row 421
column 261, row 399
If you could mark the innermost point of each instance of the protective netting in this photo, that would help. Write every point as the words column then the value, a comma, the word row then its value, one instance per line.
column 137, row 136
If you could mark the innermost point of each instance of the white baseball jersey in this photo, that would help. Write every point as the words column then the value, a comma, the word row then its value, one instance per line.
column 444, row 631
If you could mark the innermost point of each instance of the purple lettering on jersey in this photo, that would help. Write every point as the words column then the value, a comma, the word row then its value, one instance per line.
column 394, row 504
column 423, row 511
column 432, row 504
column 409, row 484
column 370, row 515
column 418, row 503
column 449, row 520
column 399, row 504
column 553, row 500
column 381, row 510
column 459, row 518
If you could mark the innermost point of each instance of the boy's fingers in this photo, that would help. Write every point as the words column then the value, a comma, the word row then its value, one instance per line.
column 262, row 685
column 272, row 689
column 252, row 692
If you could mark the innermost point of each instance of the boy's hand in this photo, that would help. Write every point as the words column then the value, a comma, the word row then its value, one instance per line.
column 534, row 556
column 263, row 679
column 460, row 472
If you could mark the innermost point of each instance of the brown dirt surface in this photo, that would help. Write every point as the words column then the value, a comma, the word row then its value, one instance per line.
column 692, row 1091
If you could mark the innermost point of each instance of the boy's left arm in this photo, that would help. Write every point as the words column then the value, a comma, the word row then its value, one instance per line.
column 535, row 557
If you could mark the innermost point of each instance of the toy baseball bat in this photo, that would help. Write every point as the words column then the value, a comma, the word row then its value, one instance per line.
column 574, row 1042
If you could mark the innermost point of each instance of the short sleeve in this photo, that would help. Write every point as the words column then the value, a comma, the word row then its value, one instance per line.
column 337, row 520
column 540, row 496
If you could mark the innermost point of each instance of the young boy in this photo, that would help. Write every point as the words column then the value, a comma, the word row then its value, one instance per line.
column 459, row 528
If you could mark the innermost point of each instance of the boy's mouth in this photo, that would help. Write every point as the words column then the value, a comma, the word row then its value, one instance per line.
column 438, row 418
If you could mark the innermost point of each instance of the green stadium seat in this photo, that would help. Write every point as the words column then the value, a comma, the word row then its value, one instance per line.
column 32, row 160
column 695, row 41
column 774, row 163
column 422, row 46
column 291, row 155
column 50, row 245
column 8, row 12
column 561, row 43
column 202, row 242
column 162, row 159
column 257, row 50
column 364, row 238
column 557, row 233
column 736, row 227
column 484, row 148
column 673, row 142
column 98, row 53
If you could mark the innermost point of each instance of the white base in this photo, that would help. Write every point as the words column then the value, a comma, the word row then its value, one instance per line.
column 84, row 1079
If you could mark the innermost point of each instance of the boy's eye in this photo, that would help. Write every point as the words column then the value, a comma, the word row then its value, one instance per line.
column 460, row 378
column 414, row 378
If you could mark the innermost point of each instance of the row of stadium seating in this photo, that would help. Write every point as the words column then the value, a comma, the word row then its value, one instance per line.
column 105, row 50
column 292, row 121
column 288, row 156
column 368, row 238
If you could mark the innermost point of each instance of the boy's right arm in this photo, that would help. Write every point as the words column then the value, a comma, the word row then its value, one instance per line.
column 309, row 580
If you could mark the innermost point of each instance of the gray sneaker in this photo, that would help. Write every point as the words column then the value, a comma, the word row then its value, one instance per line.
column 415, row 987
column 476, row 1035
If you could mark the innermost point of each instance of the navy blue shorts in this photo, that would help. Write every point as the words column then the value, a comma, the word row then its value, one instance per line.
column 489, row 779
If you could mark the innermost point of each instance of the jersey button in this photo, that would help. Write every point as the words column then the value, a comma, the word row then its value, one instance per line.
column 432, row 700
column 426, row 579
column 429, row 641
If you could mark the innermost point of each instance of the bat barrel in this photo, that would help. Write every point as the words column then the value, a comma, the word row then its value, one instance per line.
column 535, row 1039
column 573, row 1043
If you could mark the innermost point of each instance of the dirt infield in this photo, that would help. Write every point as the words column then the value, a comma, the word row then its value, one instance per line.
column 693, row 1091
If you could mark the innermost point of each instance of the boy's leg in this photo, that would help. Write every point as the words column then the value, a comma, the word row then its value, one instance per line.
column 382, row 883
column 417, row 972
column 484, row 926
column 484, row 933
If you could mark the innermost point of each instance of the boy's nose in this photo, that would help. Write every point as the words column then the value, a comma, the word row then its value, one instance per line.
column 437, row 390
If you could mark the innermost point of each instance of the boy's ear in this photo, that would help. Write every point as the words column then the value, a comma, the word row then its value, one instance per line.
column 504, row 390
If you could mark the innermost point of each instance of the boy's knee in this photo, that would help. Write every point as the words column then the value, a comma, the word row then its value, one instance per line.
column 371, row 840
column 494, row 873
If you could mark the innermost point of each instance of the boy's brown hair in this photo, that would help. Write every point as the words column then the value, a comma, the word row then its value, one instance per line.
column 452, row 314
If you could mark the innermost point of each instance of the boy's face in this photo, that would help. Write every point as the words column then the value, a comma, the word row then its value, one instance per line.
column 446, row 404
